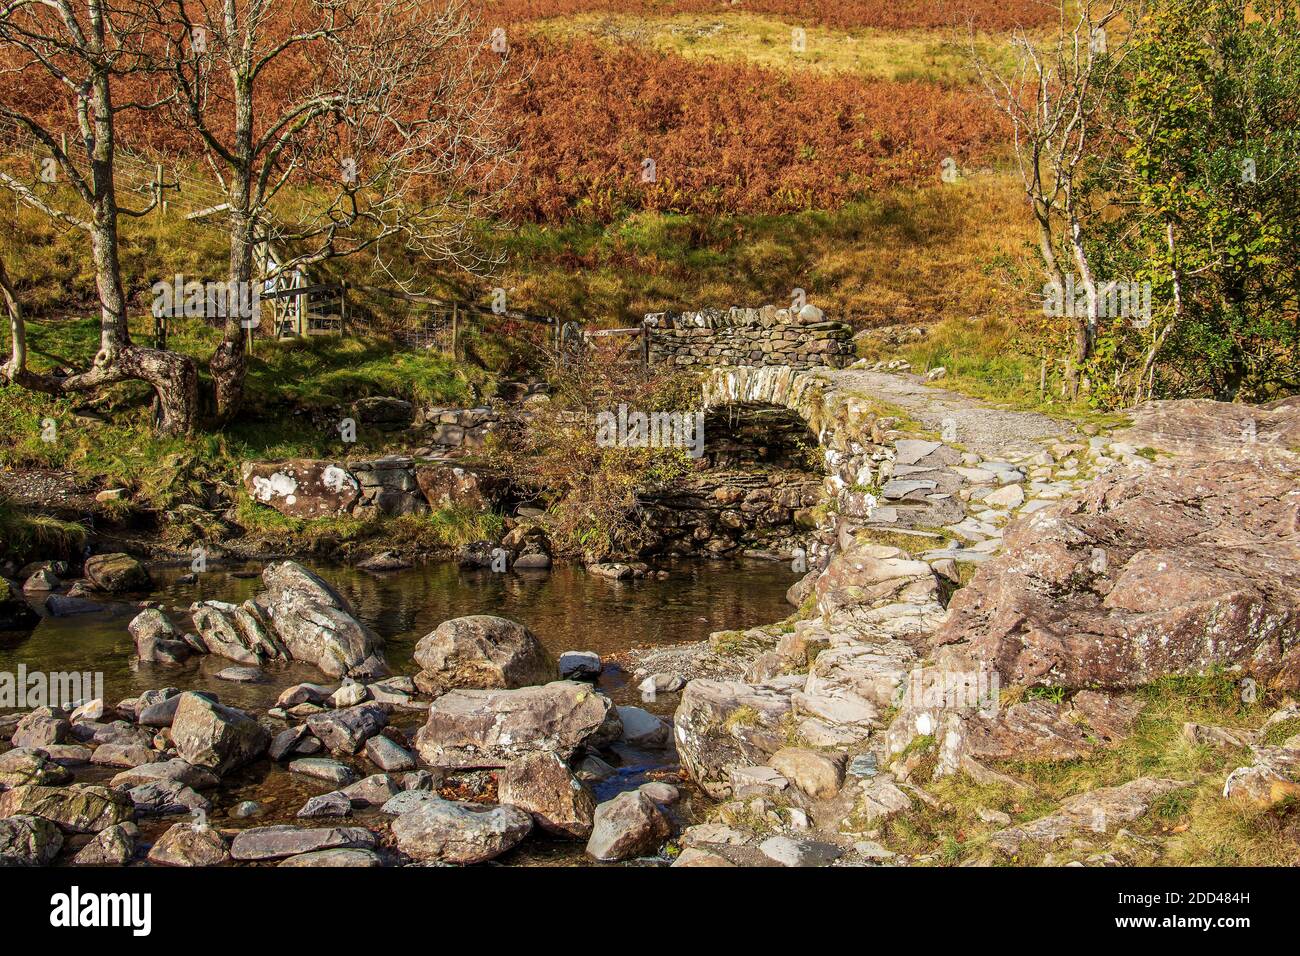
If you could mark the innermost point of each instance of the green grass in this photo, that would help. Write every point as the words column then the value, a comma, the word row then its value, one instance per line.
column 1195, row 825
column 939, row 56
column 997, row 357
column 888, row 259
column 441, row 530
column 287, row 383
column 24, row 536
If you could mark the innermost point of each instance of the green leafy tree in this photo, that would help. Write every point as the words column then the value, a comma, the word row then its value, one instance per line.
column 1207, row 186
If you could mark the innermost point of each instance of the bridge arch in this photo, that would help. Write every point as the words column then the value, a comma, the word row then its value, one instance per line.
column 842, row 421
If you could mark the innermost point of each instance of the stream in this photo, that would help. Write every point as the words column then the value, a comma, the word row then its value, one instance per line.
column 565, row 607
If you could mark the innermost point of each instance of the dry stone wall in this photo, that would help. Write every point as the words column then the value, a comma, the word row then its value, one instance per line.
column 766, row 336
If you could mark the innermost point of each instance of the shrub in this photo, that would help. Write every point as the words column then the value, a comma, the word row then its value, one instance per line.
column 724, row 137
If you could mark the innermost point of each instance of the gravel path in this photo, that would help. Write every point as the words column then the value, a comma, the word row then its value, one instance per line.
column 988, row 431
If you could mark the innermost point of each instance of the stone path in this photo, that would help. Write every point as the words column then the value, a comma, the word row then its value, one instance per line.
column 988, row 431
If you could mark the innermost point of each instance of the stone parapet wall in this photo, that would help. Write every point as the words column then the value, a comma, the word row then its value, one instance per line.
column 766, row 336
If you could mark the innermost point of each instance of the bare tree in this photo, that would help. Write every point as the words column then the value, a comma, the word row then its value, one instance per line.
column 1055, row 98
column 335, row 127
column 86, row 47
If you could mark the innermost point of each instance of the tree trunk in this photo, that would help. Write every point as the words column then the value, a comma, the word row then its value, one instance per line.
column 229, row 363
column 15, row 370
column 173, row 376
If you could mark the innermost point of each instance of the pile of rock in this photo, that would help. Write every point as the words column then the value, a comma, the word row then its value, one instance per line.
column 299, row 617
column 47, row 582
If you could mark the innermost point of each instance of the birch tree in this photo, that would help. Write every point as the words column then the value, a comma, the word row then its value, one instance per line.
column 1055, row 99
column 336, row 127
column 85, row 48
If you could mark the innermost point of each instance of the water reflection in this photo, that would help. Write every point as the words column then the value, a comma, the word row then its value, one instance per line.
column 566, row 608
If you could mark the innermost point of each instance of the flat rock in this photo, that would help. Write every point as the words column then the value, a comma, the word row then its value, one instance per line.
column 388, row 755
column 373, row 791
column 323, row 768
column 199, row 778
column 1097, row 810
column 445, row 831
column 242, row 675
column 697, row 857
column 275, row 842
column 78, row 808
column 790, row 852
column 490, row 728
column 358, row 858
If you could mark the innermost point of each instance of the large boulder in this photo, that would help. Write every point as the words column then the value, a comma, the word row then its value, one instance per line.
column 1176, row 569
column 218, row 738
column 117, row 573
column 175, row 770
column 28, row 841
column 190, row 844
column 445, row 831
column 44, row 725
column 22, row 766
column 1202, row 428
column 629, row 825
column 449, row 484
column 543, row 785
column 156, row 639
column 76, row 809
column 881, row 587
column 347, row 730
column 490, row 728
column 301, row 487
column 317, row 625
column 722, row 725
column 483, row 651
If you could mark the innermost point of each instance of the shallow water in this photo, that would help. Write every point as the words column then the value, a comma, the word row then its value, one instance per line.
column 566, row 608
